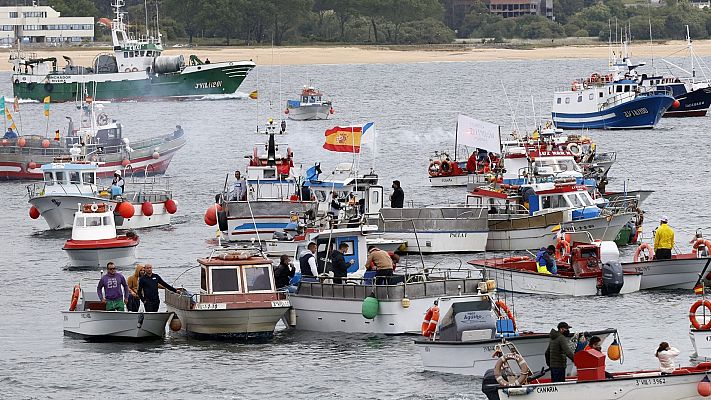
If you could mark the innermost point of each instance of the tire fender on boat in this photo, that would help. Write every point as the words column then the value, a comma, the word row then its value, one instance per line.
column 520, row 378
column 575, row 149
column 75, row 297
column 640, row 249
column 692, row 314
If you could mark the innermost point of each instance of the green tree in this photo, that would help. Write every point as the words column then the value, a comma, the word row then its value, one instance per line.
column 345, row 10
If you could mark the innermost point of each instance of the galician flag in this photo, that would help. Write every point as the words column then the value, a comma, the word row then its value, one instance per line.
column 344, row 139
column 368, row 133
column 46, row 106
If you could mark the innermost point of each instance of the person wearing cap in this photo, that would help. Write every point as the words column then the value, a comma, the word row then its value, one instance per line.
column 117, row 185
column 559, row 351
column 663, row 240
column 397, row 199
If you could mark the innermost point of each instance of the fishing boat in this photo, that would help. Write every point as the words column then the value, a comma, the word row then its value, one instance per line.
column 94, row 240
column 612, row 101
column 682, row 271
column 684, row 383
column 523, row 217
column 700, row 326
column 583, row 270
column 470, row 327
column 134, row 70
column 98, row 139
column 148, row 202
column 237, row 298
column 310, row 106
column 88, row 319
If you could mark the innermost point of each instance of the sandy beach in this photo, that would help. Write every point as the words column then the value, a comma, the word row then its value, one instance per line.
column 383, row 55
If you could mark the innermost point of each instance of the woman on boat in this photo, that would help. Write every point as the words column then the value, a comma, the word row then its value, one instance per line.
column 666, row 355
column 283, row 273
column 133, row 301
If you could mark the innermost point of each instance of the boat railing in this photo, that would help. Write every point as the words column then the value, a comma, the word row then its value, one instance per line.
column 621, row 204
column 610, row 156
column 39, row 189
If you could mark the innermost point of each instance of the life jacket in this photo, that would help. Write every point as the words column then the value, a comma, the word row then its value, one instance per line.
column 304, row 264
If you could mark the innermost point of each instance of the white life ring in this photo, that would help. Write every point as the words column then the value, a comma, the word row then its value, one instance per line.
column 520, row 378
column 94, row 207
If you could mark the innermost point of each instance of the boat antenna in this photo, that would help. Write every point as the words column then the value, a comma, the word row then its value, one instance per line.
column 158, row 38
column 145, row 7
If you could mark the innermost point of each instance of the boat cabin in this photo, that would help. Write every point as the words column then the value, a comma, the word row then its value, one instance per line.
column 310, row 96
column 70, row 178
column 235, row 273
column 94, row 221
column 358, row 195
column 331, row 239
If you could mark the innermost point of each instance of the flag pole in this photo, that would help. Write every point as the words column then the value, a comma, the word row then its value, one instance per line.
column 456, row 131
column 4, row 113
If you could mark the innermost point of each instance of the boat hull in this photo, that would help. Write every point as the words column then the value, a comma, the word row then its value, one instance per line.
column 115, row 325
column 261, row 219
column 691, row 104
column 308, row 113
column 701, row 340
column 99, row 257
column 639, row 113
column 441, row 242
column 194, row 81
column 677, row 273
column 244, row 323
column 517, row 234
column 473, row 358
column 449, row 181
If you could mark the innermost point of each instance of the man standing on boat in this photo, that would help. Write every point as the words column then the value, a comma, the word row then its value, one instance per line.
column 239, row 188
column 339, row 266
column 663, row 240
column 559, row 351
column 383, row 265
column 397, row 199
column 148, row 289
column 114, row 287
column 307, row 262
column 545, row 261
column 117, row 185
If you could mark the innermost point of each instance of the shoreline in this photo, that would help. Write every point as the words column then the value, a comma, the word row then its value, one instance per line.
column 341, row 54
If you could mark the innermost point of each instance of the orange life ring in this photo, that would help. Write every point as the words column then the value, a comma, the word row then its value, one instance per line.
column 641, row 248
column 434, row 168
column 429, row 324
column 516, row 259
column 692, row 314
column 699, row 242
column 562, row 255
column 75, row 298
column 503, row 307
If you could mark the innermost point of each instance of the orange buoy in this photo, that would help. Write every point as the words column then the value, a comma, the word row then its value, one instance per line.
column 613, row 352
column 34, row 212
column 704, row 387
column 331, row 110
column 31, row 165
column 156, row 155
column 171, row 206
column 21, row 142
column 125, row 209
column 211, row 215
column 676, row 104
column 45, row 143
column 175, row 324
column 5, row 142
column 147, row 208
column 126, row 162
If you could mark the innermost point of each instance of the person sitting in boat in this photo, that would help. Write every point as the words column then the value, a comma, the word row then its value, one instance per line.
column 10, row 134
column 239, row 188
column 307, row 263
column 559, row 351
column 545, row 261
column 283, row 274
column 148, row 289
column 663, row 240
column 666, row 355
column 117, row 184
column 339, row 265
column 114, row 287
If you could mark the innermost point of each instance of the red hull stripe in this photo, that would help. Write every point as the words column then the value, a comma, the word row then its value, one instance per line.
column 117, row 242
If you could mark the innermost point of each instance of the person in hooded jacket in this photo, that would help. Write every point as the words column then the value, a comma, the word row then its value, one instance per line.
column 559, row 351
column 134, row 302
column 545, row 261
column 666, row 355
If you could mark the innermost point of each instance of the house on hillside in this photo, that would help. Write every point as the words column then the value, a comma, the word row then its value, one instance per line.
column 457, row 10
column 42, row 24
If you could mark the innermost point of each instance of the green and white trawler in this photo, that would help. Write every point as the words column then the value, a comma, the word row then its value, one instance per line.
column 135, row 70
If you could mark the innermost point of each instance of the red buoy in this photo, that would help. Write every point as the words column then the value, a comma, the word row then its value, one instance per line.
column 5, row 142
column 45, row 143
column 210, row 214
column 147, row 208
column 171, row 206
column 125, row 162
column 125, row 209
column 704, row 387
column 34, row 212
column 21, row 142
column 156, row 155
column 31, row 165
column 331, row 110
column 676, row 104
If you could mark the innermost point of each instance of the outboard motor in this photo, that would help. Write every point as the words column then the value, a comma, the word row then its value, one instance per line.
column 489, row 386
column 612, row 278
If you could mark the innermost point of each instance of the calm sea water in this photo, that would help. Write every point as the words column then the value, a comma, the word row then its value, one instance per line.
column 414, row 107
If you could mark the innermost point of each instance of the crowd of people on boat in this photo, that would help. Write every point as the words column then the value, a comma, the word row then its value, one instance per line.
column 115, row 291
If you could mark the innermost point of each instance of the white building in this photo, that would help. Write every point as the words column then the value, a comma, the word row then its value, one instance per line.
column 41, row 24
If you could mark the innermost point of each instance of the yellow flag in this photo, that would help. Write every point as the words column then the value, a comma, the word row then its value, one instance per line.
column 7, row 114
column 254, row 95
column 14, row 128
column 46, row 100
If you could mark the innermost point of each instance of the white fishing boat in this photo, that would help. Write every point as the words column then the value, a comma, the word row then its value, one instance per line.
column 148, row 200
column 310, row 106
column 94, row 240
column 237, row 298
column 87, row 318
column 682, row 271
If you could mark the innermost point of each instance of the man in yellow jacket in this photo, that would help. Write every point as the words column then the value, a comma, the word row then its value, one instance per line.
column 663, row 240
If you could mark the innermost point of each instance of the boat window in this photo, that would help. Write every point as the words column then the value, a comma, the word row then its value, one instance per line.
column 125, row 54
column 550, row 201
column 618, row 89
column 88, row 177
column 257, row 278
column 600, row 94
column 574, row 200
column 48, row 179
column 149, row 53
column 592, row 96
column 348, row 252
column 269, row 173
column 225, row 280
column 74, row 177
column 203, row 279
column 78, row 221
column 586, row 200
column 375, row 197
column 558, row 100
column 60, row 177
column 580, row 98
column 130, row 54
column 627, row 88
column 567, row 100
column 93, row 221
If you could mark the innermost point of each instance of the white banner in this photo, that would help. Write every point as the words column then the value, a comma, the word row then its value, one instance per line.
column 474, row 133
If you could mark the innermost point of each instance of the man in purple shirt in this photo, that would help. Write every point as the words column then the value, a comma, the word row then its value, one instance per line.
column 112, row 283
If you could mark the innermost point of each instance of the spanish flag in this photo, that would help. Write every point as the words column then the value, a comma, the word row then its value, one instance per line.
column 254, row 95
column 345, row 139
column 699, row 289
column 46, row 106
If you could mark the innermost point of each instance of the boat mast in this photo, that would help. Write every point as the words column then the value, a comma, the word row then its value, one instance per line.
column 145, row 7
column 691, row 52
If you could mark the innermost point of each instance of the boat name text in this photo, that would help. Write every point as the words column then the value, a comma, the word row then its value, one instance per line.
column 637, row 112
column 58, row 78
column 458, row 235
column 281, row 303
column 546, row 389
column 208, row 85
column 650, row 381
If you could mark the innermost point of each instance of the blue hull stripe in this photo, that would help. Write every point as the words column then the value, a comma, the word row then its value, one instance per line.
column 642, row 112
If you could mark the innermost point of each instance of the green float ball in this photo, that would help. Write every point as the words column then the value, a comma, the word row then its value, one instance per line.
column 370, row 307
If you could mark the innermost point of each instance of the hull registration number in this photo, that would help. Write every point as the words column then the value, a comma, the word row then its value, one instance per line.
column 281, row 303
column 637, row 112
column 650, row 381
column 211, row 306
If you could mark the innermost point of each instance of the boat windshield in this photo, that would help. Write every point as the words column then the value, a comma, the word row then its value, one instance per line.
column 579, row 200
column 225, row 280
column 89, row 178
column 257, row 278
column 559, row 165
